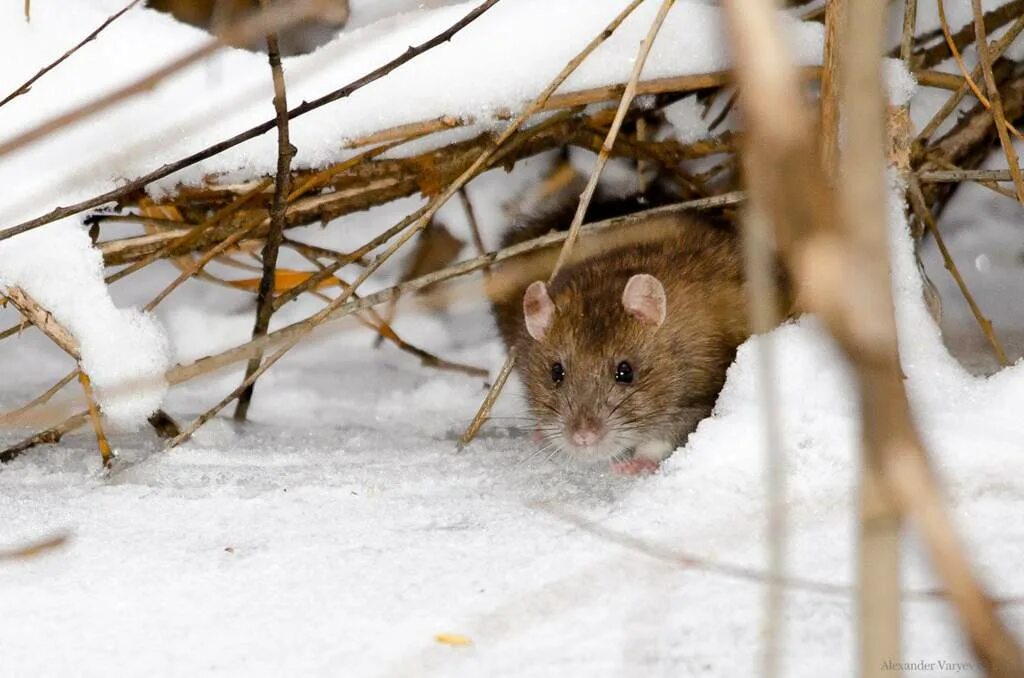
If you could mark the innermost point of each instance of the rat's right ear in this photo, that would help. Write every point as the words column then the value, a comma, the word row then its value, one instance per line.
column 538, row 309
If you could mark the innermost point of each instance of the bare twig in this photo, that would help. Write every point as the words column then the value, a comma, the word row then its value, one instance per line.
column 282, row 186
column 613, row 132
column 950, row 105
column 917, row 203
column 94, row 417
column 259, row 27
column 985, row 59
column 27, row 85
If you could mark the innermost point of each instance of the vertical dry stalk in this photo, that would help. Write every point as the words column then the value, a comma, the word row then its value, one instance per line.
column 609, row 140
column 835, row 18
column 94, row 417
column 920, row 207
column 759, row 264
column 863, row 219
column 985, row 60
column 282, row 186
column 843, row 275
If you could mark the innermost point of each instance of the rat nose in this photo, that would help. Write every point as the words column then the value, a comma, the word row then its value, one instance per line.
column 587, row 434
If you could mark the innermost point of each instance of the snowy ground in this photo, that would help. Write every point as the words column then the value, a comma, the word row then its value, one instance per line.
column 340, row 532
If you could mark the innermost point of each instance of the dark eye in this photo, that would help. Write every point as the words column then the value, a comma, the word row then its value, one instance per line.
column 557, row 373
column 624, row 373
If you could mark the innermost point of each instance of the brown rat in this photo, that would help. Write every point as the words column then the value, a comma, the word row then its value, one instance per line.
column 627, row 348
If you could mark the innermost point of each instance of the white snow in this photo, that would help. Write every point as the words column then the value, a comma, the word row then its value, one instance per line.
column 60, row 269
column 340, row 531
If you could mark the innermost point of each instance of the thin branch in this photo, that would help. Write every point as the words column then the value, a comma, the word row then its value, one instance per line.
column 282, row 186
column 27, row 85
column 996, row 50
column 94, row 416
column 291, row 11
column 997, row 102
column 917, row 203
column 968, row 80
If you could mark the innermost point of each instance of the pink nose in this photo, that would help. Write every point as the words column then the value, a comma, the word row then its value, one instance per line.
column 586, row 437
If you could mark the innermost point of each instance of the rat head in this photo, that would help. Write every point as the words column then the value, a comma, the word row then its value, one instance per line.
column 590, row 363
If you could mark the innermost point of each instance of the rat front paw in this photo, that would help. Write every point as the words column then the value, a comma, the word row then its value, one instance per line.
column 636, row 466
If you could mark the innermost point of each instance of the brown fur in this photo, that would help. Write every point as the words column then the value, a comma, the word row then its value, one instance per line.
column 679, row 367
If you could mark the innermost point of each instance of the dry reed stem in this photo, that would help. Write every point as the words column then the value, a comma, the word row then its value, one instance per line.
column 56, row 332
column 764, row 312
column 94, row 416
column 8, row 418
column 984, row 57
column 385, row 331
column 264, row 27
column 27, row 85
column 192, row 235
column 939, row 52
column 282, row 186
column 474, row 227
column 50, row 436
column 44, row 320
column 968, row 80
column 950, row 105
column 835, row 18
column 864, row 226
column 843, row 272
column 609, row 140
column 917, row 203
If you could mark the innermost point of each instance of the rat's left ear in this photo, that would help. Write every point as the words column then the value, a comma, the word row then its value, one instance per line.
column 644, row 299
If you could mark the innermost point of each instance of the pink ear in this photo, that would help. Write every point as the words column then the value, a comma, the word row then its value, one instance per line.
column 644, row 299
column 538, row 309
